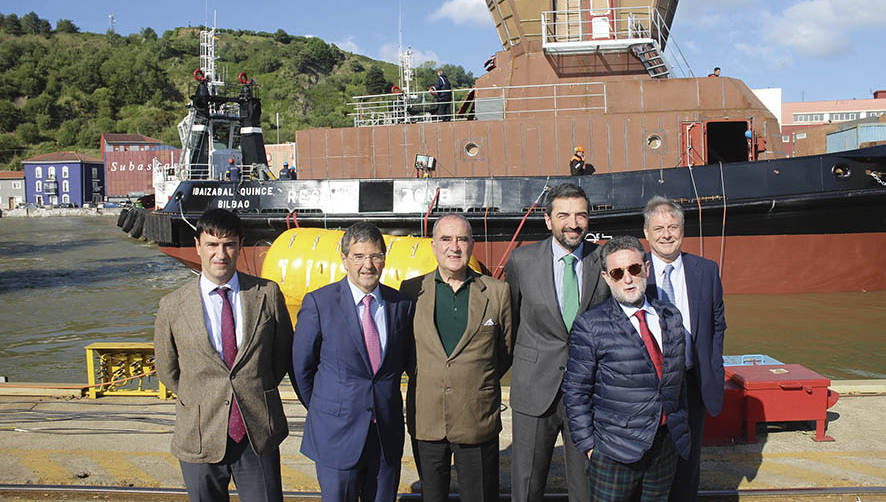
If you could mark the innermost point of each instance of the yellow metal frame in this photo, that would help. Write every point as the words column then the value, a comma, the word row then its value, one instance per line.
column 113, row 365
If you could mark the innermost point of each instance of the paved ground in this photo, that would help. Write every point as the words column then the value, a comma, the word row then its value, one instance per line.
column 124, row 441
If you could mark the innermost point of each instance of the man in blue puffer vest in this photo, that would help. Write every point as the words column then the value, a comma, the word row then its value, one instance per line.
column 623, row 389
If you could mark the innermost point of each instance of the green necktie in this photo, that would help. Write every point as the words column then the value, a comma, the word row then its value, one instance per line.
column 570, row 291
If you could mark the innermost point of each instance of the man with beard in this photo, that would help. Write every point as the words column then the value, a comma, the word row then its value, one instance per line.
column 623, row 389
column 551, row 282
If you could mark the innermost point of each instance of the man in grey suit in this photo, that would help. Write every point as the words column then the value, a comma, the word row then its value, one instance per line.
column 551, row 282
column 222, row 344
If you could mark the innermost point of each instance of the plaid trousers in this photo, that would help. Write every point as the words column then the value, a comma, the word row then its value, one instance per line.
column 646, row 480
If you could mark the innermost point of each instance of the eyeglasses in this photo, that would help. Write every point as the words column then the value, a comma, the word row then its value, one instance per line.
column 617, row 273
column 361, row 258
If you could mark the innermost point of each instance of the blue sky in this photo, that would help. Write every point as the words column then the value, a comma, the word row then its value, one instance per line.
column 812, row 49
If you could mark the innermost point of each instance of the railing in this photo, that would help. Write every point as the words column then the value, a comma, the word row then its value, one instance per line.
column 480, row 103
column 611, row 30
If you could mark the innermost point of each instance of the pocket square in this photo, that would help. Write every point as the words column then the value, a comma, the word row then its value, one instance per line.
column 489, row 322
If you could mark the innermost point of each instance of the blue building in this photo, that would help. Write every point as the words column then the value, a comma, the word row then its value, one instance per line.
column 64, row 178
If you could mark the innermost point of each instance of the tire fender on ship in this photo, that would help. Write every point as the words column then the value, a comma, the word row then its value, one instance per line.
column 129, row 221
column 304, row 259
column 121, row 218
column 139, row 224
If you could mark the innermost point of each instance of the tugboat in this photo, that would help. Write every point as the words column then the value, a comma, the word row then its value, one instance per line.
column 589, row 72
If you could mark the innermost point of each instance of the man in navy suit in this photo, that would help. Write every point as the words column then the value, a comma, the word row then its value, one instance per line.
column 692, row 284
column 348, row 354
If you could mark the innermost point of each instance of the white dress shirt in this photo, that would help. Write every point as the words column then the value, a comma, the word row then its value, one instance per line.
column 377, row 311
column 212, row 310
column 651, row 320
column 681, row 297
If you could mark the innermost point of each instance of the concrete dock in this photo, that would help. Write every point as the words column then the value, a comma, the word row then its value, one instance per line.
column 59, row 439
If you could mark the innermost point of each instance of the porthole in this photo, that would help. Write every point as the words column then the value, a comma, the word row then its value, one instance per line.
column 472, row 149
column 653, row 141
column 840, row 171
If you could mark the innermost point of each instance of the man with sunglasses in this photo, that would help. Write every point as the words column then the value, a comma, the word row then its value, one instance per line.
column 692, row 284
column 351, row 342
column 623, row 389
column 551, row 282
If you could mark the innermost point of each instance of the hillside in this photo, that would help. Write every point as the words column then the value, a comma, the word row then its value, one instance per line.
column 60, row 89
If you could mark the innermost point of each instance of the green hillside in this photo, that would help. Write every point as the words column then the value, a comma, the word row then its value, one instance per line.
column 60, row 89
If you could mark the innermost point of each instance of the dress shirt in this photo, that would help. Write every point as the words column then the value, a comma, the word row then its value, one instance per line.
column 651, row 320
column 212, row 310
column 378, row 312
column 451, row 311
column 560, row 265
column 681, row 297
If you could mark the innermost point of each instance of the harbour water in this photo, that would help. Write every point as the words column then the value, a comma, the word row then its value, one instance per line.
column 66, row 282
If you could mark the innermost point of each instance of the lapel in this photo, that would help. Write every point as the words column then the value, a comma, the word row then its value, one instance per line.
column 192, row 310
column 251, row 303
column 352, row 327
column 426, row 303
column 667, row 337
column 477, row 304
column 390, row 323
column 692, row 276
column 590, row 275
column 547, row 288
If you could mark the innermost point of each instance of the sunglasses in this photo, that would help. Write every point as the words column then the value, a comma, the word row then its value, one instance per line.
column 617, row 273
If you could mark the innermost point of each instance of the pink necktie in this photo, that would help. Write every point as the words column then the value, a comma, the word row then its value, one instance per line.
column 236, row 427
column 370, row 335
column 651, row 347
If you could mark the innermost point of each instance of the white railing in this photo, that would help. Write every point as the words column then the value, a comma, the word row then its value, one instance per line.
column 583, row 31
column 479, row 103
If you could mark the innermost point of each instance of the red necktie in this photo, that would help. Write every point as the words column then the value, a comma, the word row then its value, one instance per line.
column 651, row 347
column 236, row 427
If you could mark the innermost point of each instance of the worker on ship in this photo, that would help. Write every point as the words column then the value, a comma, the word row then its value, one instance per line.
column 285, row 172
column 577, row 165
column 442, row 91
column 233, row 172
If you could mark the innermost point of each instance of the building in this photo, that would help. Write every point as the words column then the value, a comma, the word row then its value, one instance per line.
column 113, row 142
column 798, row 119
column 64, row 178
column 12, row 189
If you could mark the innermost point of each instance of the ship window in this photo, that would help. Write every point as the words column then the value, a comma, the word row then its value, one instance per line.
column 653, row 141
column 785, row 139
column 472, row 149
column 726, row 142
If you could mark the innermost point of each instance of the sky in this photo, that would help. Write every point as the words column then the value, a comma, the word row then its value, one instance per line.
column 811, row 49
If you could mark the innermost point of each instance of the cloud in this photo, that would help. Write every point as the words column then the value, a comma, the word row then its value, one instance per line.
column 349, row 45
column 389, row 52
column 822, row 28
column 463, row 12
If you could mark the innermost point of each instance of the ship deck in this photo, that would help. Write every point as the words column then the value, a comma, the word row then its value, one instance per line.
column 57, row 439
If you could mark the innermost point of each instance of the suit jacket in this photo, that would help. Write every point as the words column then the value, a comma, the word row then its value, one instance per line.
column 707, row 322
column 541, row 346
column 458, row 397
column 189, row 365
column 333, row 377
column 613, row 395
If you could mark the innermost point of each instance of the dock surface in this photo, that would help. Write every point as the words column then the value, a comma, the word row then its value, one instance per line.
column 124, row 442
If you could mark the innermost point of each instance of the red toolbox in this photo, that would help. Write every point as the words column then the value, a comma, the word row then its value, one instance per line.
column 782, row 393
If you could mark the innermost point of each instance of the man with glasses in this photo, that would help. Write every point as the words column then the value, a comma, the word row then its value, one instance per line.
column 623, row 389
column 551, row 281
column 692, row 284
column 349, row 352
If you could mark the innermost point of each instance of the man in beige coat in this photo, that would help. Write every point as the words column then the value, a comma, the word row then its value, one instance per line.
column 462, row 348
column 222, row 343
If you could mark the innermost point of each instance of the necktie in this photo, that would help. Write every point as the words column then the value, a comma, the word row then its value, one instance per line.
column 370, row 335
column 569, row 309
column 667, row 288
column 236, row 427
column 651, row 347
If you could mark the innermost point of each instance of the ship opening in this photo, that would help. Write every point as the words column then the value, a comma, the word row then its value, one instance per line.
column 726, row 142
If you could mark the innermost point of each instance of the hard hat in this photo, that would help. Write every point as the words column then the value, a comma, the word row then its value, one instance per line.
column 285, row 164
column 231, row 160
column 579, row 149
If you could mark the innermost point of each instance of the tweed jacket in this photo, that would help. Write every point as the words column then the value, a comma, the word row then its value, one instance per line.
column 189, row 365
column 613, row 395
column 458, row 397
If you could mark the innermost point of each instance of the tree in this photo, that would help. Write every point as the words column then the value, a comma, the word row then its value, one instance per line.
column 31, row 23
column 375, row 81
column 28, row 133
column 282, row 37
column 10, row 116
column 9, row 147
column 12, row 25
column 149, row 34
column 66, row 26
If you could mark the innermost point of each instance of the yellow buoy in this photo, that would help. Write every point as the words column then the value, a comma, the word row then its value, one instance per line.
column 303, row 259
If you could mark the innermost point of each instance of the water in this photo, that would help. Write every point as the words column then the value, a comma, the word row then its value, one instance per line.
column 68, row 282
